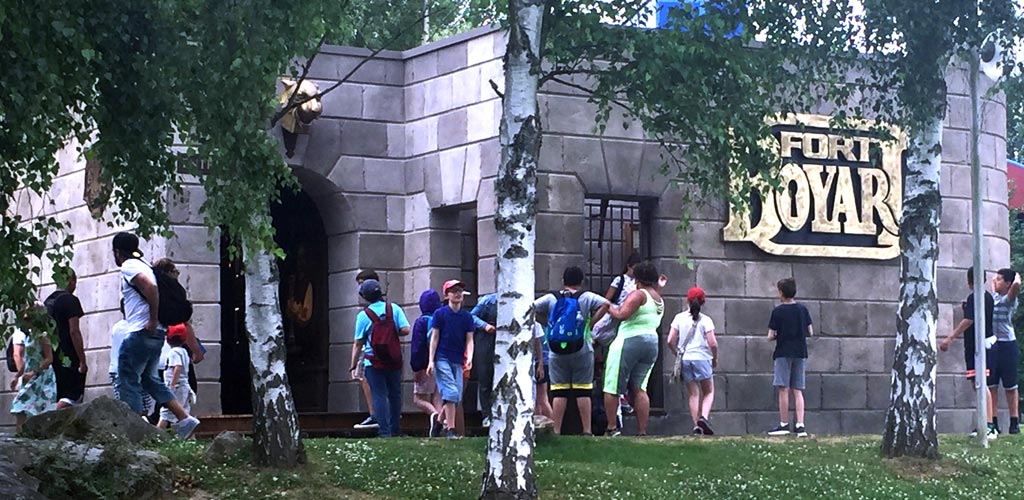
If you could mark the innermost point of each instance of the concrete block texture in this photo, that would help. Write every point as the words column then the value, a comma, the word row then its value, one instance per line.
column 746, row 316
column 750, row 392
column 861, row 355
column 843, row 391
column 761, row 277
column 722, row 277
column 868, row 281
column 585, row 157
column 843, row 318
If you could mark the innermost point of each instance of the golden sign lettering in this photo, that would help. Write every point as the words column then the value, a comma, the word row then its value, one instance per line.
column 834, row 199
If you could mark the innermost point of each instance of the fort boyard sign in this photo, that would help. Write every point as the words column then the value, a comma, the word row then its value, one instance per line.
column 840, row 193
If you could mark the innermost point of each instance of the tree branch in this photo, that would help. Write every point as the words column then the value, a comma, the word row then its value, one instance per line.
column 591, row 93
column 495, row 87
column 292, row 105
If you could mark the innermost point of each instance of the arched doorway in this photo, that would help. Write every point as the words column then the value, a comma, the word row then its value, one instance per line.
column 303, row 291
column 304, row 303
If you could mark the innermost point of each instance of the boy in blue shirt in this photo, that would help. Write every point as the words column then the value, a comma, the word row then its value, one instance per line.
column 451, row 350
column 385, row 382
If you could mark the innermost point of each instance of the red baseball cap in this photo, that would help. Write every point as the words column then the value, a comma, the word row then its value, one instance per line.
column 177, row 331
column 695, row 293
column 450, row 284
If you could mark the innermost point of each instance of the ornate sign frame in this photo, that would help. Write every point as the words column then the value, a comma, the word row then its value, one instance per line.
column 840, row 193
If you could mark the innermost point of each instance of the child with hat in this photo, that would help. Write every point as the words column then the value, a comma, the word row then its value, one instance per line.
column 175, row 364
column 451, row 350
column 692, row 340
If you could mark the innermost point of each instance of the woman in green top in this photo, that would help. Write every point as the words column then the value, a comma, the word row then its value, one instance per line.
column 632, row 355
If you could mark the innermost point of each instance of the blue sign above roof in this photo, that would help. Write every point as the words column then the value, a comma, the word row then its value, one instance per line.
column 699, row 8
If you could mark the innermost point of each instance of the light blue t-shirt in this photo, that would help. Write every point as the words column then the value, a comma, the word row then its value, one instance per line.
column 364, row 325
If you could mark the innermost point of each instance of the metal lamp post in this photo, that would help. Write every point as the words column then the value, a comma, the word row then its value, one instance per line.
column 980, row 382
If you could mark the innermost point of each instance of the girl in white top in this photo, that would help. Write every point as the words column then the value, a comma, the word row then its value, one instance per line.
column 692, row 340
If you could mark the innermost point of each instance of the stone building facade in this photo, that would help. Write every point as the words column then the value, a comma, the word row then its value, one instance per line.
column 397, row 176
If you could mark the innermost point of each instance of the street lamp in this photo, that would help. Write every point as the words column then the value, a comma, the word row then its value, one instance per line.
column 987, row 59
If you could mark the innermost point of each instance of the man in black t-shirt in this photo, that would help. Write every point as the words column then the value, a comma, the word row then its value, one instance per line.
column 69, row 364
column 966, row 328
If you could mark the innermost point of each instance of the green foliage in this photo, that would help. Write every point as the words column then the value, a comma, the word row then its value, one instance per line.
column 704, row 95
column 410, row 23
column 65, row 470
column 1014, row 88
column 1017, row 264
column 154, row 90
column 158, row 90
column 576, row 467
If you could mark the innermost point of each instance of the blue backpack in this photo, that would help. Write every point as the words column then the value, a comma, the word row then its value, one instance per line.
column 567, row 328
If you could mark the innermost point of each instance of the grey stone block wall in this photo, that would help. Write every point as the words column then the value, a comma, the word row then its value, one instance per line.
column 407, row 151
column 451, row 154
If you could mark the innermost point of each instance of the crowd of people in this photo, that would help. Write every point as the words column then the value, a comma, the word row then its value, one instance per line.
column 141, row 346
column 596, row 351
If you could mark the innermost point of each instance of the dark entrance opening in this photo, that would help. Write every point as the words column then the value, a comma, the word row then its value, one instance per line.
column 303, row 291
column 235, row 383
column 304, row 302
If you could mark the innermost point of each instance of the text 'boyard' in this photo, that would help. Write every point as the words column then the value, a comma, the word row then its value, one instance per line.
column 840, row 193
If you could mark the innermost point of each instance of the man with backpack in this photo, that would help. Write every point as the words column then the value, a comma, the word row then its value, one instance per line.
column 378, row 328
column 570, row 312
column 152, row 301
column 69, row 364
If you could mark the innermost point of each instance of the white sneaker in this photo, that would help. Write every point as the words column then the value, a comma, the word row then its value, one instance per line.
column 992, row 433
column 185, row 428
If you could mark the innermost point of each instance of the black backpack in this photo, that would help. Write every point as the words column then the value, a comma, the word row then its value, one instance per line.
column 174, row 307
column 9, row 353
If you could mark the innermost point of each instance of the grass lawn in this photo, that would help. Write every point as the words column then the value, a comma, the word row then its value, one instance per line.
column 599, row 468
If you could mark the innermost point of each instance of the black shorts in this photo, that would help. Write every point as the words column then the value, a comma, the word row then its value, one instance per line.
column 1007, row 361
column 991, row 366
column 70, row 383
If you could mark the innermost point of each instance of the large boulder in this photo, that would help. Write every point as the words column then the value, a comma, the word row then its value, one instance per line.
column 15, row 483
column 102, row 420
column 226, row 445
column 36, row 468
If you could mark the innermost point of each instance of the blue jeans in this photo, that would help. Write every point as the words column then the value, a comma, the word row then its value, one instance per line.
column 137, row 370
column 386, row 389
column 448, row 375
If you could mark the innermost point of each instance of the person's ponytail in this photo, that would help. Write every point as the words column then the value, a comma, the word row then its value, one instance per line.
column 695, row 309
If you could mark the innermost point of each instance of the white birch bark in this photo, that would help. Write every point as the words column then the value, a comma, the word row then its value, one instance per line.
column 910, row 421
column 510, row 466
column 276, row 441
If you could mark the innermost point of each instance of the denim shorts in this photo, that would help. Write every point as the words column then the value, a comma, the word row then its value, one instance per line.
column 448, row 376
column 789, row 372
column 696, row 370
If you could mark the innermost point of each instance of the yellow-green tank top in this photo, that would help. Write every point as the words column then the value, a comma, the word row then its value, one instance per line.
column 645, row 320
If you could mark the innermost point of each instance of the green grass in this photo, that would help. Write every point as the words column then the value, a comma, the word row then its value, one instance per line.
column 597, row 468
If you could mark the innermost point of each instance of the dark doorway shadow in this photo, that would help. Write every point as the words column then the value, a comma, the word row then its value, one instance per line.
column 303, row 291
column 304, row 309
column 235, row 383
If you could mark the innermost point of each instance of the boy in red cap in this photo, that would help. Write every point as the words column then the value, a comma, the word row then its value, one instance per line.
column 175, row 365
column 451, row 350
column 692, row 340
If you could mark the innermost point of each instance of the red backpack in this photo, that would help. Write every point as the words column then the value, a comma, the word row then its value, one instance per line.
column 387, row 349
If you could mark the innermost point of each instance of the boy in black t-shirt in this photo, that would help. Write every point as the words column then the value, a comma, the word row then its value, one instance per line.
column 789, row 327
column 966, row 328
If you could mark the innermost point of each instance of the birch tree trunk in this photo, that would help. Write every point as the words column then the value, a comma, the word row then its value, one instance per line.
column 510, row 467
column 910, row 421
column 276, row 441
